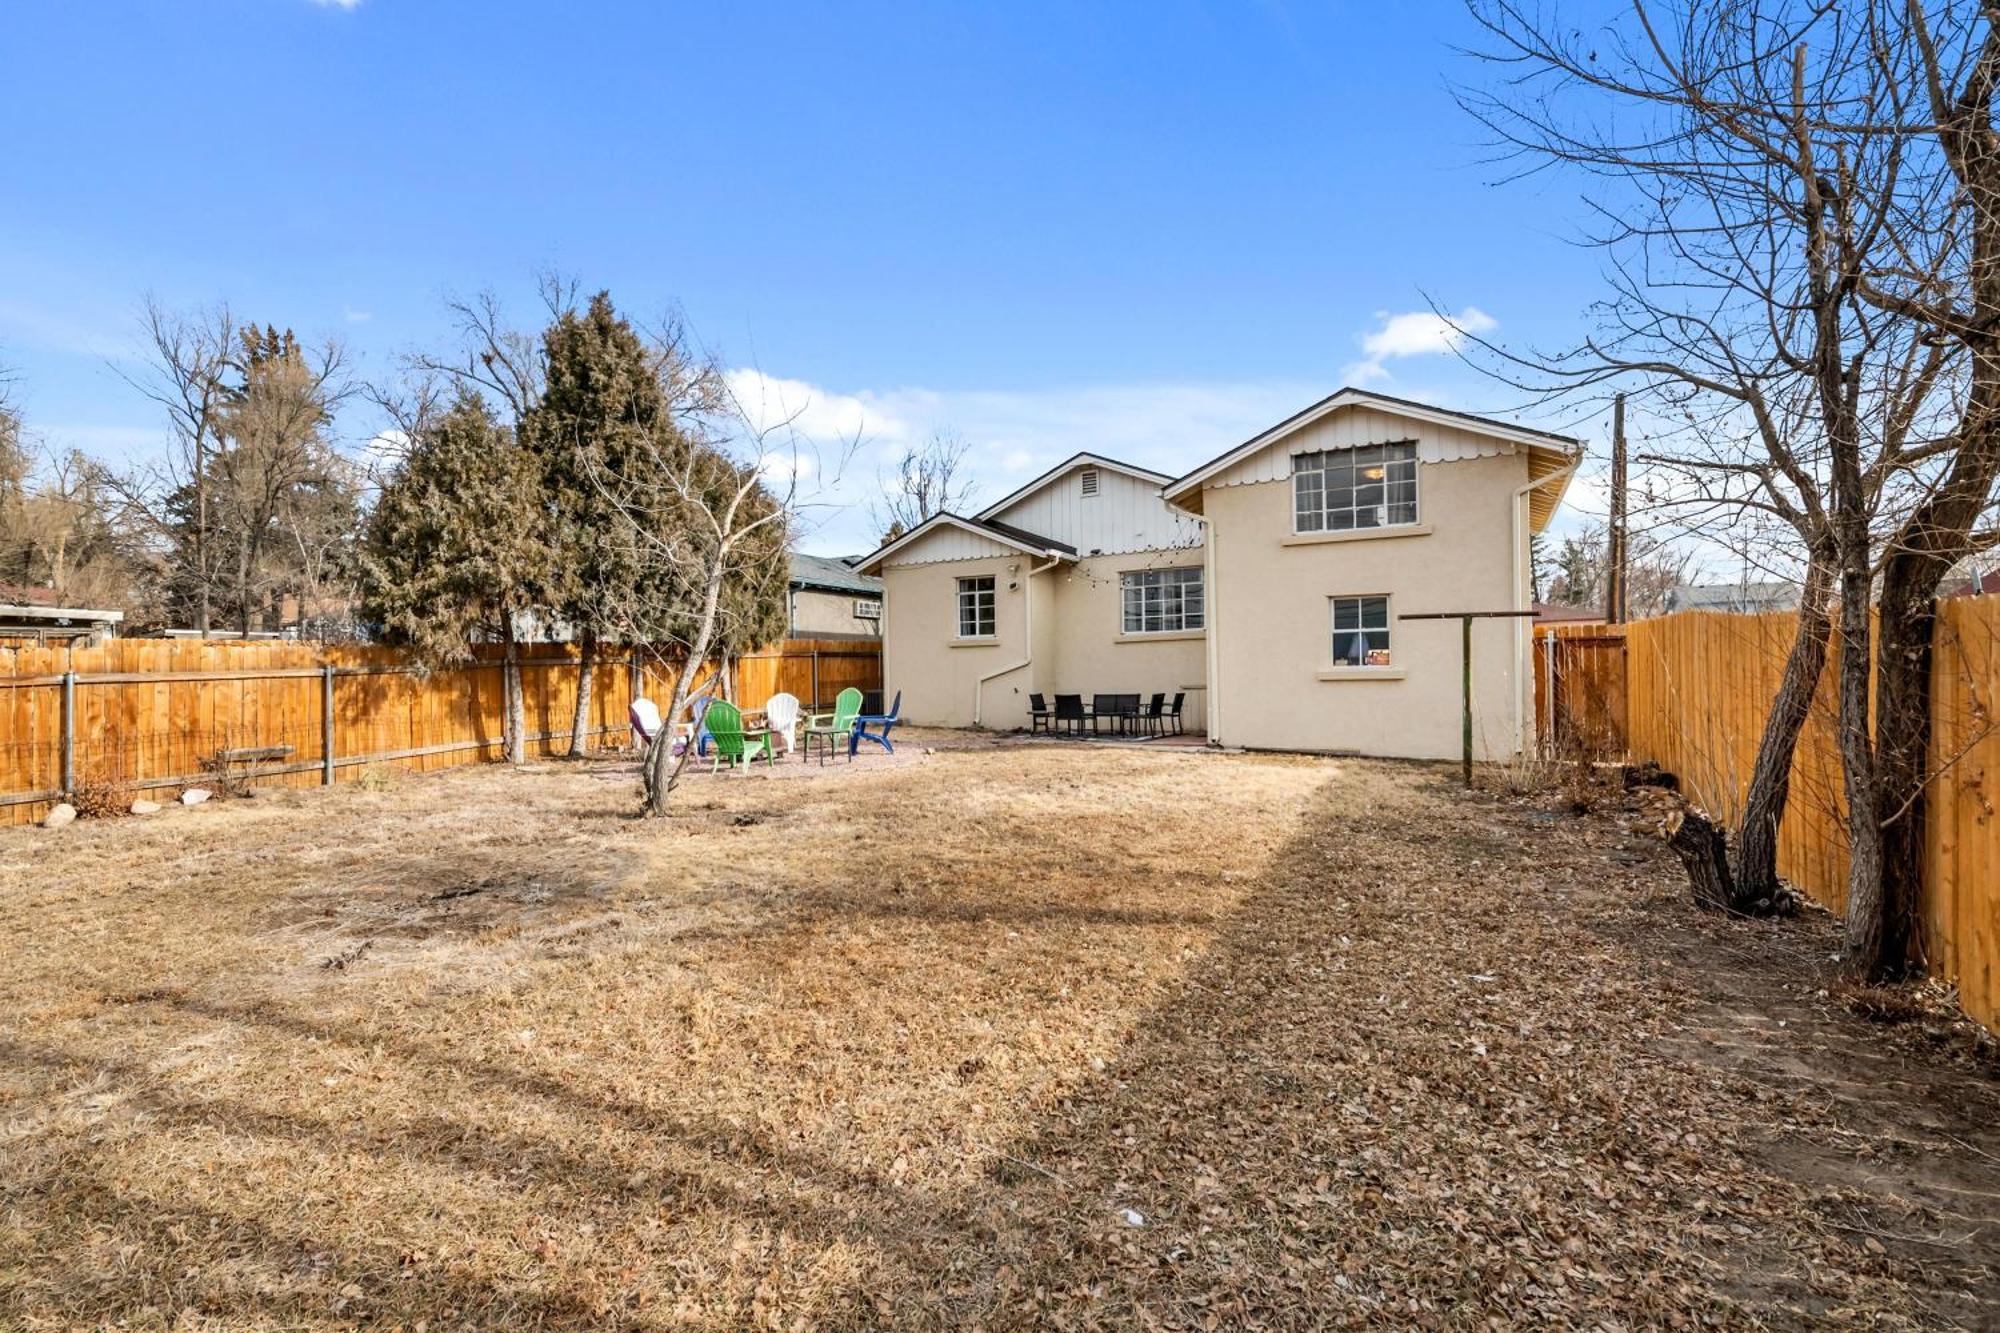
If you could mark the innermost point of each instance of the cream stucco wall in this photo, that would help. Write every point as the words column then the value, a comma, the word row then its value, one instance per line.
column 1091, row 655
column 939, row 673
column 1077, row 644
column 1271, row 620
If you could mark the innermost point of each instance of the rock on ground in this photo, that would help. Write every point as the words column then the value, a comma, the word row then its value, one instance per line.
column 61, row 815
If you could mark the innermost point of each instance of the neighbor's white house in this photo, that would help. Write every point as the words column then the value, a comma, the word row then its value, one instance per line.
column 1267, row 585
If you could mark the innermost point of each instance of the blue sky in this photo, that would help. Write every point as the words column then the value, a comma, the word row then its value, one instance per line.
column 1147, row 229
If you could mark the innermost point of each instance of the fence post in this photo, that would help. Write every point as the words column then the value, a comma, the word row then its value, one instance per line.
column 68, row 733
column 634, row 681
column 326, row 725
column 815, row 680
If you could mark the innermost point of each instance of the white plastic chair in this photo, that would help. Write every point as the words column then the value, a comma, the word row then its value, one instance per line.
column 645, row 716
column 781, row 715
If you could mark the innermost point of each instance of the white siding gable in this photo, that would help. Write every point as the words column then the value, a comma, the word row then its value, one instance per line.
column 948, row 541
column 1351, row 427
column 1126, row 514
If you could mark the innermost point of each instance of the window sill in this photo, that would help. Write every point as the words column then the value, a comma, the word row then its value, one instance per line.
column 1362, row 673
column 1357, row 535
column 1160, row 636
column 984, row 641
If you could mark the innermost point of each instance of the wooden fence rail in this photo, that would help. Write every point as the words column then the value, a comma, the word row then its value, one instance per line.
column 150, row 714
column 1695, row 692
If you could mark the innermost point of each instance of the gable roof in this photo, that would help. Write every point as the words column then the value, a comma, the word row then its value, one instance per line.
column 1548, row 452
column 1067, row 466
column 1005, row 533
column 831, row 575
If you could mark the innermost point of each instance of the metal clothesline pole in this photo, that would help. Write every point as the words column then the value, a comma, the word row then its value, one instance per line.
column 1465, row 619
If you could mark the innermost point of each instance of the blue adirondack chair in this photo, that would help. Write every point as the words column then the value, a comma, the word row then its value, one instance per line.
column 883, row 722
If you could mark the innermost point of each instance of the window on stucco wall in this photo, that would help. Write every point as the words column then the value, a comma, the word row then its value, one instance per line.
column 1339, row 490
column 1360, row 631
column 1161, row 601
column 975, row 608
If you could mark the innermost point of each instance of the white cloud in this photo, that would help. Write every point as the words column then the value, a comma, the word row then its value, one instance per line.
column 338, row 4
column 1414, row 333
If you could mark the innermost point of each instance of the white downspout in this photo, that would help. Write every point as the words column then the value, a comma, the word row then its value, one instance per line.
column 1212, row 655
column 1027, row 625
column 1524, row 629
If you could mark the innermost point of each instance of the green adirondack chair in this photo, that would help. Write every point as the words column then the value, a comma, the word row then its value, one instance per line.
column 734, row 745
column 834, row 728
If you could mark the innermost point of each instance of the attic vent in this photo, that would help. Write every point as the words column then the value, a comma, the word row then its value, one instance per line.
column 1090, row 481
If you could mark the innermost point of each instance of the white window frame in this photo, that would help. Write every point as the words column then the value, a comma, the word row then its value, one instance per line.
column 970, row 596
column 1364, row 626
column 1161, row 594
column 1388, row 500
column 867, row 608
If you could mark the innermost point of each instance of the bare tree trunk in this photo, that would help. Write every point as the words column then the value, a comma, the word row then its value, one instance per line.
column 662, row 770
column 579, row 727
column 1756, row 867
column 514, row 727
column 1864, row 938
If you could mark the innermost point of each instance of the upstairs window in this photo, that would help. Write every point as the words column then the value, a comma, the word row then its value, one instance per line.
column 1339, row 490
column 1162, row 601
column 1089, row 481
column 975, row 608
column 1360, row 631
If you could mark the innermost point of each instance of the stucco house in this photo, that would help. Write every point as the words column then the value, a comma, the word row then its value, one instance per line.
column 1269, row 584
column 830, row 599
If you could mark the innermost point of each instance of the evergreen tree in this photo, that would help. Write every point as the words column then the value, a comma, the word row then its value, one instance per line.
column 455, row 546
column 600, row 405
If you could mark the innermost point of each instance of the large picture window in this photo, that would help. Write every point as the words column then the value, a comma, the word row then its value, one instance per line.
column 1360, row 631
column 975, row 608
column 1338, row 490
column 1162, row 601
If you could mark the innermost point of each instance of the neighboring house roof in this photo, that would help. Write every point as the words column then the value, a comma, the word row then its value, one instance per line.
column 1005, row 533
column 1067, row 466
column 43, row 618
column 1548, row 453
column 830, row 574
column 1559, row 613
column 1775, row 595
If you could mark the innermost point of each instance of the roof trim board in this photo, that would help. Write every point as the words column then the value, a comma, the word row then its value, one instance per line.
column 1536, row 441
column 1020, row 539
column 1063, row 469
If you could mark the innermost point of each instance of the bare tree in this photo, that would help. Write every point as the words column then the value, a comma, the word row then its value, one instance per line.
column 709, row 503
column 927, row 480
column 1761, row 165
column 186, row 372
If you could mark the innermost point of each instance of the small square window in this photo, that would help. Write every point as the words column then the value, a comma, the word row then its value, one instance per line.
column 975, row 608
column 1360, row 631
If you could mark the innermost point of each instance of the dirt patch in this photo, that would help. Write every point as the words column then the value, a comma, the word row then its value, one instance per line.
column 1001, row 1036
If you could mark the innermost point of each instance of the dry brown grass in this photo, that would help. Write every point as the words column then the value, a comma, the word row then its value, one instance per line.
column 896, row 1046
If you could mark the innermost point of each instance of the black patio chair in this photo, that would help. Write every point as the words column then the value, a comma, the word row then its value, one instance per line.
column 1102, row 706
column 1153, row 721
column 1069, row 714
column 1174, row 714
column 1040, row 717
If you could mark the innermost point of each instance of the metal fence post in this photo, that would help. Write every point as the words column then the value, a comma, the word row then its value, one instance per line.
column 68, row 733
column 326, row 725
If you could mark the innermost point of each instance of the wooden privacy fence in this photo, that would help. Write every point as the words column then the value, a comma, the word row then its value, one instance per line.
column 159, row 714
column 1580, row 703
column 1696, row 690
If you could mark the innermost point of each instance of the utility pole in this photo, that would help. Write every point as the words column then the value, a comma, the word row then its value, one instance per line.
column 1614, row 556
